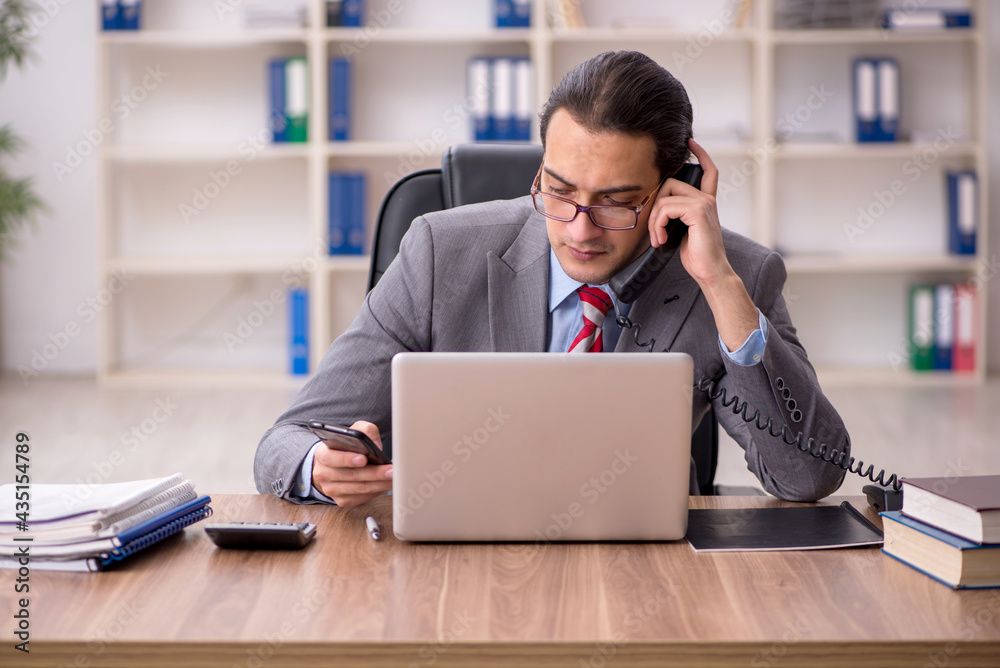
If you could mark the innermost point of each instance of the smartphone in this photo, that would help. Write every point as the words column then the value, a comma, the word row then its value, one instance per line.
column 348, row 440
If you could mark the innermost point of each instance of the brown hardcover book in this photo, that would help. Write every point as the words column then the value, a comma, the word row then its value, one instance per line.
column 967, row 506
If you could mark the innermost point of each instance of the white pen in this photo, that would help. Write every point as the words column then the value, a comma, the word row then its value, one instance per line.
column 373, row 529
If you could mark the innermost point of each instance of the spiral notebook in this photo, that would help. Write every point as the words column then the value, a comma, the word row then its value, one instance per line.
column 99, row 555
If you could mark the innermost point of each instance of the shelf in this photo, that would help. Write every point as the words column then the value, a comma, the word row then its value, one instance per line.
column 876, row 264
column 861, row 377
column 185, row 378
column 348, row 263
column 378, row 149
column 395, row 149
column 874, row 150
column 658, row 35
column 203, row 152
column 204, row 38
column 376, row 34
column 170, row 266
column 870, row 36
column 428, row 65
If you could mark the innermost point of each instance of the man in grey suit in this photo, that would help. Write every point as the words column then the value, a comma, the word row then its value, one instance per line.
column 503, row 276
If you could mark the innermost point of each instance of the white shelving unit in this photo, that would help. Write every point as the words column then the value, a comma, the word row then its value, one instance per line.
column 199, row 278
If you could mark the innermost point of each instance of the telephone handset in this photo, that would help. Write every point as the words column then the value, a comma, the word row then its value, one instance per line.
column 633, row 280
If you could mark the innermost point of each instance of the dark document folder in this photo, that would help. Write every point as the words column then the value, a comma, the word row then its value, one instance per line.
column 764, row 529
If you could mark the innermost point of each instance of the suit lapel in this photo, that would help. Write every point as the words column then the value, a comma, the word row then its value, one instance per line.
column 658, row 313
column 518, row 286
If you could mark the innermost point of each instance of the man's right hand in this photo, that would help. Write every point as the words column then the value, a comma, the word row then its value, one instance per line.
column 346, row 477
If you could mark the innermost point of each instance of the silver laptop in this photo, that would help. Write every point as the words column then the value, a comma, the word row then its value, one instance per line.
column 541, row 447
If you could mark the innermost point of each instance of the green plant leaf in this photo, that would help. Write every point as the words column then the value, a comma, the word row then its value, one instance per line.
column 15, row 35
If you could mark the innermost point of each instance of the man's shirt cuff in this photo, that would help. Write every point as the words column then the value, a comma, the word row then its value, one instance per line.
column 752, row 350
column 303, row 488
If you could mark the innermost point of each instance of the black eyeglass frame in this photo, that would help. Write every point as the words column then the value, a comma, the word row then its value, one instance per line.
column 587, row 209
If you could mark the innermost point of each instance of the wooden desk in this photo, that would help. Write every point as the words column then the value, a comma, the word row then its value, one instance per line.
column 347, row 600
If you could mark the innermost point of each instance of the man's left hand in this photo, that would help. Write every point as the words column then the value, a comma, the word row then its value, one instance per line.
column 702, row 251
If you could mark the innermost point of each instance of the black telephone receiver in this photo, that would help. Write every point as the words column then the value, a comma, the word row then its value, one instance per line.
column 629, row 283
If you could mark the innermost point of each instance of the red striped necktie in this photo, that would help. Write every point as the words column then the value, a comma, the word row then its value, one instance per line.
column 596, row 303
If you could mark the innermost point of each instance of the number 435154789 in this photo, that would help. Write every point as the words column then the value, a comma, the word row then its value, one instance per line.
column 22, row 462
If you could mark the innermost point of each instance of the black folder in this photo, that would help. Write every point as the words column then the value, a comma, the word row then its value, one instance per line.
column 767, row 529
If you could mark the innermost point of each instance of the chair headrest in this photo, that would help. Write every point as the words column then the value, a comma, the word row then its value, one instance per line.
column 483, row 172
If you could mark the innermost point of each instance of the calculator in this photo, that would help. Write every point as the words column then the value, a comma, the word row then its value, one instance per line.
column 261, row 536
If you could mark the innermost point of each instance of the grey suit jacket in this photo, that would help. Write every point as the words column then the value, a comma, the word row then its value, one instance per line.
column 475, row 278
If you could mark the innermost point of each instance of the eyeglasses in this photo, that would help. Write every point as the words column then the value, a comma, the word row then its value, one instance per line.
column 605, row 216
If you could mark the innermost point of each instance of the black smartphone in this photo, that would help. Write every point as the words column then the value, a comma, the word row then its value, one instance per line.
column 348, row 440
column 633, row 280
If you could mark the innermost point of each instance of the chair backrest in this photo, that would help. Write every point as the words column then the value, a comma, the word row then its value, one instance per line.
column 469, row 174
column 472, row 173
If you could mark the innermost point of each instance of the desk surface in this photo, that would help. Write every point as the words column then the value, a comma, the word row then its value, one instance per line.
column 186, row 603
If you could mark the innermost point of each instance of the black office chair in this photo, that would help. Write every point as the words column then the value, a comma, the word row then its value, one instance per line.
column 472, row 173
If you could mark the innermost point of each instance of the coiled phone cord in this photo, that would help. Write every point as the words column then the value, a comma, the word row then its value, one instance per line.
column 818, row 450
column 811, row 446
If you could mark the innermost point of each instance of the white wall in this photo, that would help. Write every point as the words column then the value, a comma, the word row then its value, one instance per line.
column 49, row 278
column 993, row 116
column 53, row 271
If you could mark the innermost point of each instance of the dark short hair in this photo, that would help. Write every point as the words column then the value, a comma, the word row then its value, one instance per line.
column 627, row 92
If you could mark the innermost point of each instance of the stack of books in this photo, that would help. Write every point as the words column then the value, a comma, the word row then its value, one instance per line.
column 80, row 527
column 948, row 528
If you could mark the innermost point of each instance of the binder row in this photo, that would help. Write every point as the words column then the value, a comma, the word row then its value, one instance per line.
column 943, row 327
column 340, row 91
column 298, row 331
column 914, row 19
column 347, row 213
column 345, row 13
column 120, row 14
column 876, row 99
column 512, row 13
column 288, row 96
column 499, row 92
column 963, row 211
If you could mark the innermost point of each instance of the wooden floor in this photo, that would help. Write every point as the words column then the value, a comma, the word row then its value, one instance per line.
column 80, row 433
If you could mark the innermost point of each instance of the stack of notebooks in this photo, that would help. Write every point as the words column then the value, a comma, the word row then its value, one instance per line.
column 90, row 527
column 949, row 528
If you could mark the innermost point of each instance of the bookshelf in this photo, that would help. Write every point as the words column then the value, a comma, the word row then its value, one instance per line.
column 196, row 279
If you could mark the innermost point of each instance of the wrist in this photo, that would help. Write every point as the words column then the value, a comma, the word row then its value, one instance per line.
column 722, row 285
column 736, row 316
